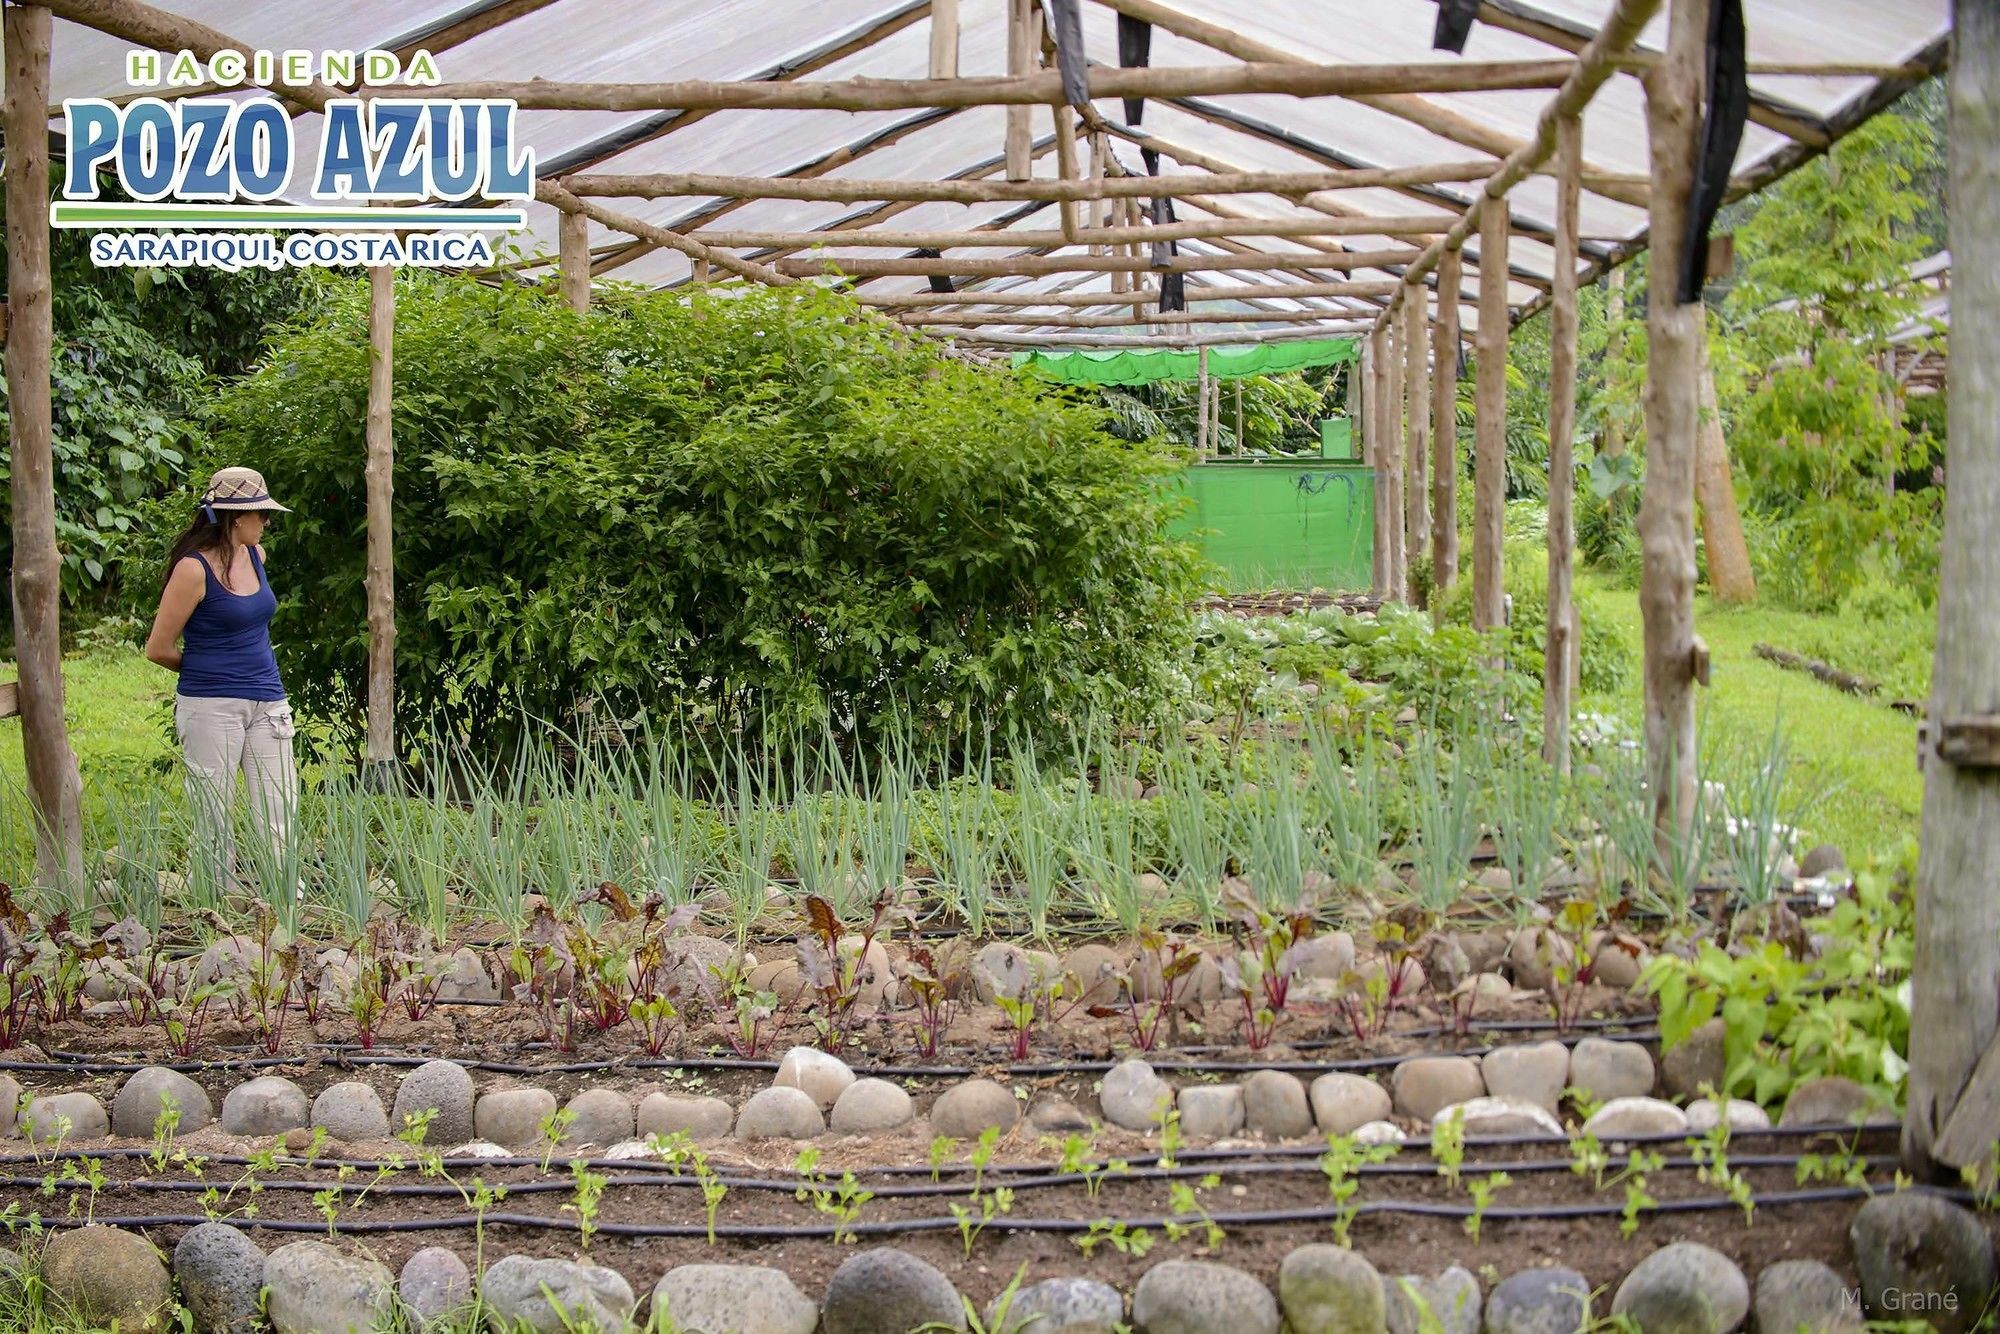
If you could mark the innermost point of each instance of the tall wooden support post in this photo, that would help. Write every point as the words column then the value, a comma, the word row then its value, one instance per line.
column 1489, row 440
column 1098, row 208
column 1392, row 460
column 1417, row 426
column 1372, row 416
column 53, row 794
column 1673, row 398
column 380, row 473
column 1444, row 428
column 1023, row 46
column 1203, row 444
column 1239, row 417
column 1954, row 1090
column 1614, row 352
column 1557, row 701
column 573, row 258
column 944, row 39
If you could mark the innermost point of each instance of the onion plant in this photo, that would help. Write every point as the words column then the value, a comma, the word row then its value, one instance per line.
column 1349, row 799
column 144, row 835
column 1528, row 803
column 658, row 811
column 1622, row 808
column 753, row 838
column 1447, row 827
column 1757, row 838
column 965, row 816
column 1104, row 837
column 1197, row 839
column 1036, row 842
column 884, row 826
column 1276, row 848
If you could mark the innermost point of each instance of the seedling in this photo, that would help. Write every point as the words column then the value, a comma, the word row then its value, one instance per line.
column 552, row 1128
column 935, row 1010
column 1843, row 1166
column 165, row 1126
column 984, row 1209
column 1185, row 1201
column 982, row 1155
column 1170, row 1137
column 586, row 1192
column 1341, row 1164
column 1126, row 1240
column 1448, row 1146
column 941, row 1147
column 1482, row 1191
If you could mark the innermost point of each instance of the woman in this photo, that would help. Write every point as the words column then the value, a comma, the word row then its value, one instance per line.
column 230, row 710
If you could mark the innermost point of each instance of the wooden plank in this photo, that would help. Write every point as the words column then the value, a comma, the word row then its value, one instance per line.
column 1020, row 265
column 573, row 259
column 1392, row 465
column 944, row 39
column 1417, row 423
column 1373, row 417
column 1023, row 31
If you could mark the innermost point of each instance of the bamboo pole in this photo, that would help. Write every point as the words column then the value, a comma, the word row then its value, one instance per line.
column 1100, row 154
column 1193, row 229
column 1392, row 464
column 1239, row 416
column 1444, row 430
column 1201, row 439
column 1372, row 416
column 53, row 786
column 1489, row 441
column 1673, row 394
column 1117, row 297
column 1557, row 701
column 1037, row 88
column 573, row 260
column 380, row 478
column 555, row 195
column 848, row 190
column 1956, row 977
column 1023, row 37
column 944, row 39
column 1417, row 424
column 1013, row 266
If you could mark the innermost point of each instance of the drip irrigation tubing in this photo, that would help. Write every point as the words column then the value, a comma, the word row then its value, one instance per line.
column 82, row 1063
column 1003, row 1222
column 1048, row 1181
column 1229, row 1154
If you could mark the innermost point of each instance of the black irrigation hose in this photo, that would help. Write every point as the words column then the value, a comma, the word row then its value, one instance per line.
column 1003, row 1222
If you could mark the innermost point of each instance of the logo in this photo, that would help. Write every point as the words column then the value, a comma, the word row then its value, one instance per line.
column 224, row 181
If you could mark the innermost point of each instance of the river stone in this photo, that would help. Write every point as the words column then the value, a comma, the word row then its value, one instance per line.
column 1794, row 1295
column 1378, row 1132
column 1330, row 1290
column 1451, row 1300
column 1627, row 1117
column 1423, row 1084
column 1197, row 1297
column 779, row 1113
column 1821, row 860
column 1059, row 1306
column 1604, row 1069
column 603, row 1116
column 1833, row 1100
column 434, row 1283
column 144, row 1097
column 466, row 978
column 66, row 1117
column 443, row 1087
column 1090, row 974
column 1057, row 1116
column 1342, row 1102
column 1538, row 1301
column 1275, row 1105
column 314, row 1289
column 1696, row 1060
column 1684, row 1288
column 221, row 1277
column 870, row 1106
column 1000, row 969
column 1483, row 949
column 1533, row 1073
column 1617, row 967
column 667, row 1114
column 267, row 1105
column 10, row 1105
column 821, row 1076
column 514, row 1117
column 1329, row 957
column 887, row 1289
column 965, row 1110
column 105, row 1274
column 1133, row 1097
column 1211, row 1111
column 557, row 1296
column 733, row 1299
column 350, row 1111
column 1531, row 953
column 1743, row 1116
column 1501, row 1116
column 1919, row 1255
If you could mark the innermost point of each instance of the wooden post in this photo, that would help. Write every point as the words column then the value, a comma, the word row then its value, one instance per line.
column 1392, row 460
column 1614, row 352
column 944, row 39
column 1023, row 41
column 1444, row 428
column 703, row 273
column 1673, row 397
column 1372, row 417
column 1239, row 416
column 1557, row 699
column 53, row 787
column 573, row 256
column 1201, row 441
column 1730, row 577
column 380, row 473
column 1417, row 429
column 1099, row 208
column 1956, row 978
column 1489, row 442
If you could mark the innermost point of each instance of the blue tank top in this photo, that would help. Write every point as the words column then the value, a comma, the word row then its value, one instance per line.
column 226, row 646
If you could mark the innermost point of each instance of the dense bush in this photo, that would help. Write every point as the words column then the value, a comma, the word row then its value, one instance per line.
column 1605, row 659
column 740, row 507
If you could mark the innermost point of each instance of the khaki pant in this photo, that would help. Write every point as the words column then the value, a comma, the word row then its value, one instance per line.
column 218, row 738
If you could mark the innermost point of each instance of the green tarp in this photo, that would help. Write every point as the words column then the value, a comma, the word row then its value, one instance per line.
column 1146, row 365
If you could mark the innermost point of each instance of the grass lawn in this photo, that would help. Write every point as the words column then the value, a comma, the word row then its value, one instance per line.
column 1860, row 753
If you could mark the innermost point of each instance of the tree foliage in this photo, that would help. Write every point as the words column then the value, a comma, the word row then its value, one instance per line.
column 739, row 507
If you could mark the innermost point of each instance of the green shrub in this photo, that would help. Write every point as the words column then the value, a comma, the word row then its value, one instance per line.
column 741, row 507
column 1606, row 660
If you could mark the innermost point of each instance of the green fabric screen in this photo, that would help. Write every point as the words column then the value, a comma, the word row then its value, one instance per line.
column 1146, row 365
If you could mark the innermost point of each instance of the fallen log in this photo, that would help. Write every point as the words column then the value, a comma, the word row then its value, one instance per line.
column 1825, row 671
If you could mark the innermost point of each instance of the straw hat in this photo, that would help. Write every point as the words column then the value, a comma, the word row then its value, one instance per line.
column 239, row 489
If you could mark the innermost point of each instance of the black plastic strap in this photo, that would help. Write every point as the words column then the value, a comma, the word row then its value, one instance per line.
column 940, row 282
column 1454, row 25
column 1068, row 16
column 1727, row 106
column 1135, row 50
column 1173, row 291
